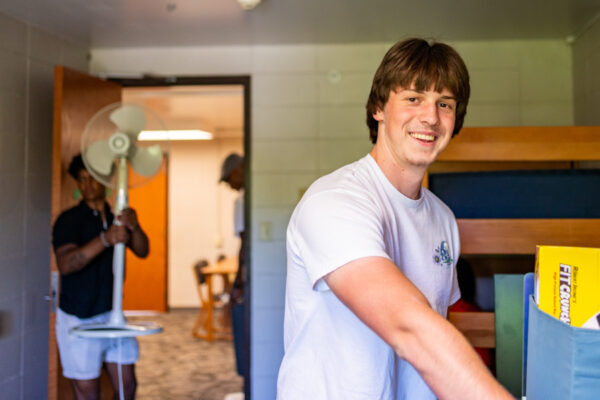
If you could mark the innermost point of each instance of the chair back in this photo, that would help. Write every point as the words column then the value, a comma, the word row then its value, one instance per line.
column 200, row 278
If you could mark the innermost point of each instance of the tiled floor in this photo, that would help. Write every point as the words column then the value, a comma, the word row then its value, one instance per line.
column 175, row 366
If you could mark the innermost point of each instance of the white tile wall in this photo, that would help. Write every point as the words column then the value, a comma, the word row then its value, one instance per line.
column 296, row 156
column 334, row 153
column 277, row 59
column 11, row 341
column 284, row 122
column 545, row 70
column 266, row 357
column 488, row 55
column 13, row 66
column 547, row 113
column 280, row 189
column 343, row 122
column 277, row 216
column 27, row 58
column 350, row 57
column 10, row 285
column 304, row 124
column 264, row 387
column 351, row 89
column 13, row 34
column 12, row 214
column 11, row 388
column 269, row 258
column 271, row 293
column 493, row 114
column 586, row 79
column 270, row 333
column 284, row 89
column 494, row 85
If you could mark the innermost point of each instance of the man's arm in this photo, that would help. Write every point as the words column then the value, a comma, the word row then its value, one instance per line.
column 405, row 321
column 138, row 242
column 70, row 258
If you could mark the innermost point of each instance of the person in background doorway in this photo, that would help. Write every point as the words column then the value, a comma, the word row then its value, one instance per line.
column 83, row 238
column 232, row 172
column 371, row 253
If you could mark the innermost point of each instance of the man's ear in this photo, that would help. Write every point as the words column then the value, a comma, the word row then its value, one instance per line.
column 378, row 115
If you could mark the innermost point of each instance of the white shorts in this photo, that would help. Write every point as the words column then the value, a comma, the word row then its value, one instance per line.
column 82, row 358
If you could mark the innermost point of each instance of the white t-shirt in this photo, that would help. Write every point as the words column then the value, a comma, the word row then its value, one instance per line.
column 352, row 213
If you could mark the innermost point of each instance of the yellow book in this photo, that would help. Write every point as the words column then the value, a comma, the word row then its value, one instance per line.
column 567, row 284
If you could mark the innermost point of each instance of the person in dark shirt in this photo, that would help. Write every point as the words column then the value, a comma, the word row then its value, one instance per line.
column 83, row 238
column 232, row 173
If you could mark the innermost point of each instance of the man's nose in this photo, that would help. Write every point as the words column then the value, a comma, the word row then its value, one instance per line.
column 429, row 114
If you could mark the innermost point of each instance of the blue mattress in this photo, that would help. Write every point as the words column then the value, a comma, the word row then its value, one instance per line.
column 571, row 193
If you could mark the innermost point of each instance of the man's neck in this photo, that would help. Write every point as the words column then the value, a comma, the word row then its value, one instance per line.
column 407, row 180
column 97, row 204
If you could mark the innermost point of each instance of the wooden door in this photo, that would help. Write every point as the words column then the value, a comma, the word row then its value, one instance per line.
column 145, row 286
column 77, row 97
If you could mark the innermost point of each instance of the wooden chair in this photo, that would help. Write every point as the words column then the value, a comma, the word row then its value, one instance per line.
column 205, row 327
column 201, row 319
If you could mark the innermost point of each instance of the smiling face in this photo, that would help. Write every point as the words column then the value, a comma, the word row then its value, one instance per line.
column 414, row 126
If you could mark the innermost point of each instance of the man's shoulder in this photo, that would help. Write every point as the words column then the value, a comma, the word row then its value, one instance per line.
column 338, row 192
column 69, row 215
column 350, row 178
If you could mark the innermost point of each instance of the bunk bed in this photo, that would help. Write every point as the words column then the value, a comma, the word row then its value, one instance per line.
column 568, row 149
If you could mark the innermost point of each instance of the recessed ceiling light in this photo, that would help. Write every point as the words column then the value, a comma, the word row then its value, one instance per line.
column 188, row 134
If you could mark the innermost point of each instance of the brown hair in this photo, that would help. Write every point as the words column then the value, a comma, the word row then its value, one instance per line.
column 425, row 64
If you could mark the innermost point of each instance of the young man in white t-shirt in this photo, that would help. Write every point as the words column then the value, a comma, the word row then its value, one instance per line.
column 372, row 254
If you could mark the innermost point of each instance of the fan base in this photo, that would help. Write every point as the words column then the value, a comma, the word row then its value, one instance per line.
column 111, row 331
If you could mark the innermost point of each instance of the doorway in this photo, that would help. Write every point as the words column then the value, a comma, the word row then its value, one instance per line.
column 200, row 209
column 181, row 91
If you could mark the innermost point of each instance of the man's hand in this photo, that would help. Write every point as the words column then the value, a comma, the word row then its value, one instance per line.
column 117, row 234
column 137, row 240
column 128, row 218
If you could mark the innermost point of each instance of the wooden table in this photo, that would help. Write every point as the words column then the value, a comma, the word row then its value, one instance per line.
column 227, row 268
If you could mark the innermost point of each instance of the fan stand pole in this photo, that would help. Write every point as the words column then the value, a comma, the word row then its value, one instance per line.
column 116, row 315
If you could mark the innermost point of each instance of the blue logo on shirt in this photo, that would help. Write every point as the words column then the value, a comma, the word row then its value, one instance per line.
column 442, row 255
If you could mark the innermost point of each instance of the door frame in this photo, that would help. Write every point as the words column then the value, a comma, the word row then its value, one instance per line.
column 245, row 81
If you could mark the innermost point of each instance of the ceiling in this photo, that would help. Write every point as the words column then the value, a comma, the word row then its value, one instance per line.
column 132, row 23
column 216, row 109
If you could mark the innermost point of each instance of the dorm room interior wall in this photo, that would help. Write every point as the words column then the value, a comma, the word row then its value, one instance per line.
column 586, row 79
column 27, row 56
column 308, row 119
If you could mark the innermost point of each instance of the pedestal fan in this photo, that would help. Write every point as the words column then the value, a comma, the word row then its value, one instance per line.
column 108, row 147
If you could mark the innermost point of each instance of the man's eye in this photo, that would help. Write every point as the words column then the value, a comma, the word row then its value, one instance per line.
column 412, row 99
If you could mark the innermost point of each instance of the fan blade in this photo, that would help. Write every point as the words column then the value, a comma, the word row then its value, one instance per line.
column 99, row 157
column 146, row 161
column 129, row 119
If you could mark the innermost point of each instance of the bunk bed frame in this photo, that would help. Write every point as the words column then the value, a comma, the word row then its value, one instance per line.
column 524, row 147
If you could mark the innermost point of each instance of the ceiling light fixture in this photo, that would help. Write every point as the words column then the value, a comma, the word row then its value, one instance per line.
column 189, row 134
column 248, row 4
